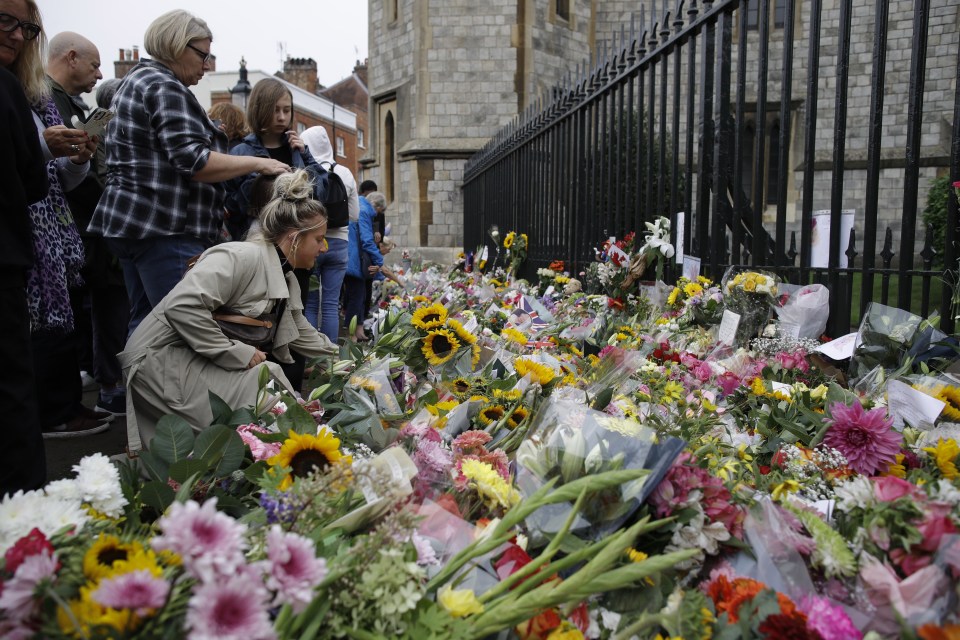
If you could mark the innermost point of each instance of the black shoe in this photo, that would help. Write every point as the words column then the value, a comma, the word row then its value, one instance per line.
column 114, row 405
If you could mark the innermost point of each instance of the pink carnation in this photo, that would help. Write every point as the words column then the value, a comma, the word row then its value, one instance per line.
column 728, row 382
column 137, row 590
column 31, row 544
column 261, row 450
column 866, row 438
column 686, row 483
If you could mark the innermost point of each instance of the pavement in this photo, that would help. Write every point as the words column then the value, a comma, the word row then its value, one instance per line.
column 63, row 453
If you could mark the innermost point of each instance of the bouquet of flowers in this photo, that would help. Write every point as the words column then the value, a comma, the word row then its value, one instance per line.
column 516, row 245
column 657, row 248
column 570, row 441
column 750, row 295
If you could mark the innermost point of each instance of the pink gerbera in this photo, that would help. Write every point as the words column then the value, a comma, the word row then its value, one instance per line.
column 866, row 438
column 210, row 543
column 137, row 590
column 231, row 609
column 294, row 568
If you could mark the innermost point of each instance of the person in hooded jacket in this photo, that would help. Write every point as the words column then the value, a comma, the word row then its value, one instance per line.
column 331, row 266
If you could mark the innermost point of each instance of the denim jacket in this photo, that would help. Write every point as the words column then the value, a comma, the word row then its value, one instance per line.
column 238, row 189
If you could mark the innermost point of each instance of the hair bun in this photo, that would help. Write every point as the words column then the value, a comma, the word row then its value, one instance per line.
column 293, row 187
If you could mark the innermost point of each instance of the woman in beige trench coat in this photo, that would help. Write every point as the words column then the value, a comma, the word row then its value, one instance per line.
column 178, row 353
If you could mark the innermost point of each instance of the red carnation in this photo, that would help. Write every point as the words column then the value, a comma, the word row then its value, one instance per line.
column 29, row 545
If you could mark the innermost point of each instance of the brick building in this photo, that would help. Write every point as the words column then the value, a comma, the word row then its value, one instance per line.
column 446, row 75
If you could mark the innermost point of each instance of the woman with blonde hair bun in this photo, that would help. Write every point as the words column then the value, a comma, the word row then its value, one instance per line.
column 180, row 352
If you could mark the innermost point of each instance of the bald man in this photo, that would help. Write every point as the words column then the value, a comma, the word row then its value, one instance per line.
column 100, row 308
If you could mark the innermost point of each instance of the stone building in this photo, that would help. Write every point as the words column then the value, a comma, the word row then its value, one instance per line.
column 446, row 75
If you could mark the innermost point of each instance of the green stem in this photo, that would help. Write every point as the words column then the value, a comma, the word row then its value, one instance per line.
column 534, row 565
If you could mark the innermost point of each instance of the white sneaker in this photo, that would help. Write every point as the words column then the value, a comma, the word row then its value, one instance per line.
column 87, row 381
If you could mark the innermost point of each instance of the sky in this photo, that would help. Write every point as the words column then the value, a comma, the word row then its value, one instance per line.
column 332, row 32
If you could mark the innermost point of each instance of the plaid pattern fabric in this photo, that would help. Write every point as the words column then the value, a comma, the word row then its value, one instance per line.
column 159, row 139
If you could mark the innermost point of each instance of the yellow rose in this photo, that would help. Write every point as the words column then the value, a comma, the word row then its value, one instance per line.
column 459, row 602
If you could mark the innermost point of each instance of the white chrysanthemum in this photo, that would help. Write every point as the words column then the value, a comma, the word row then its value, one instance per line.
column 65, row 489
column 16, row 514
column 573, row 286
column 855, row 493
column 944, row 491
column 99, row 484
column 53, row 514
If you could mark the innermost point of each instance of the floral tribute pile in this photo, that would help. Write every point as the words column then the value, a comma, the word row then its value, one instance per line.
column 583, row 456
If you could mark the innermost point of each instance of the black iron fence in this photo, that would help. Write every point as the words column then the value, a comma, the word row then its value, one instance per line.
column 736, row 118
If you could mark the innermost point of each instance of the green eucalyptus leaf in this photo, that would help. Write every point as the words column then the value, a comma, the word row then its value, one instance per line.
column 158, row 495
column 220, row 409
column 297, row 419
column 231, row 458
column 157, row 468
column 174, row 439
column 181, row 470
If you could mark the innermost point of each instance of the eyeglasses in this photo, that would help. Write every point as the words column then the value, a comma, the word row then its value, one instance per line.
column 205, row 55
column 9, row 24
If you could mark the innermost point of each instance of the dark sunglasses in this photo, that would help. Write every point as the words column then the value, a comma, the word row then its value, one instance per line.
column 9, row 24
column 205, row 55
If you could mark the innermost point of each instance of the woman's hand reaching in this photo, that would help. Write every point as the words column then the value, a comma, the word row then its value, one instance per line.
column 259, row 357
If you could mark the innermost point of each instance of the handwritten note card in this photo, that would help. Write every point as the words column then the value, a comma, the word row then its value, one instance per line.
column 728, row 327
column 911, row 406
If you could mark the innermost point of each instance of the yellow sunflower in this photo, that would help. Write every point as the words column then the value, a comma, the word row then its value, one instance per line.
column 538, row 372
column 508, row 395
column 474, row 355
column 951, row 397
column 463, row 335
column 90, row 615
column 106, row 552
column 461, row 386
column 304, row 453
column 421, row 299
column 431, row 317
column 945, row 454
column 508, row 240
column 672, row 298
column 491, row 413
column 442, row 408
column 519, row 415
column 514, row 335
column 439, row 346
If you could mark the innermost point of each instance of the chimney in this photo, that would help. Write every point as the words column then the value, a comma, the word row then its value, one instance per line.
column 301, row 72
column 128, row 59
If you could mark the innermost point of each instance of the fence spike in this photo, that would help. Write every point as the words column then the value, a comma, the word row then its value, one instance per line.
column 851, row 251
column 928, row 252
column 792, row 253
column 887, row 252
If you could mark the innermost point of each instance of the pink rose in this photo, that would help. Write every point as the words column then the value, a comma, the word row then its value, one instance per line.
column 728, row 382
column 890, row 488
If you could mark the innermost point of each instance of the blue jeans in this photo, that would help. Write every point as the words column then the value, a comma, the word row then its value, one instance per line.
column 330, row 269
column 152, row 267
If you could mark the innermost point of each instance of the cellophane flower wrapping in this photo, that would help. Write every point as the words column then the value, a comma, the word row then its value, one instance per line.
column 751, row 294
column 568, row 441
column 805, row 309
column 885, row 337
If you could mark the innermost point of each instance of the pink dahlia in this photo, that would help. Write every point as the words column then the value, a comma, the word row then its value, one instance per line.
column 137, row 590
column 210, row 543
column 293, row 569
column 866, row 438
column 231, row 609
